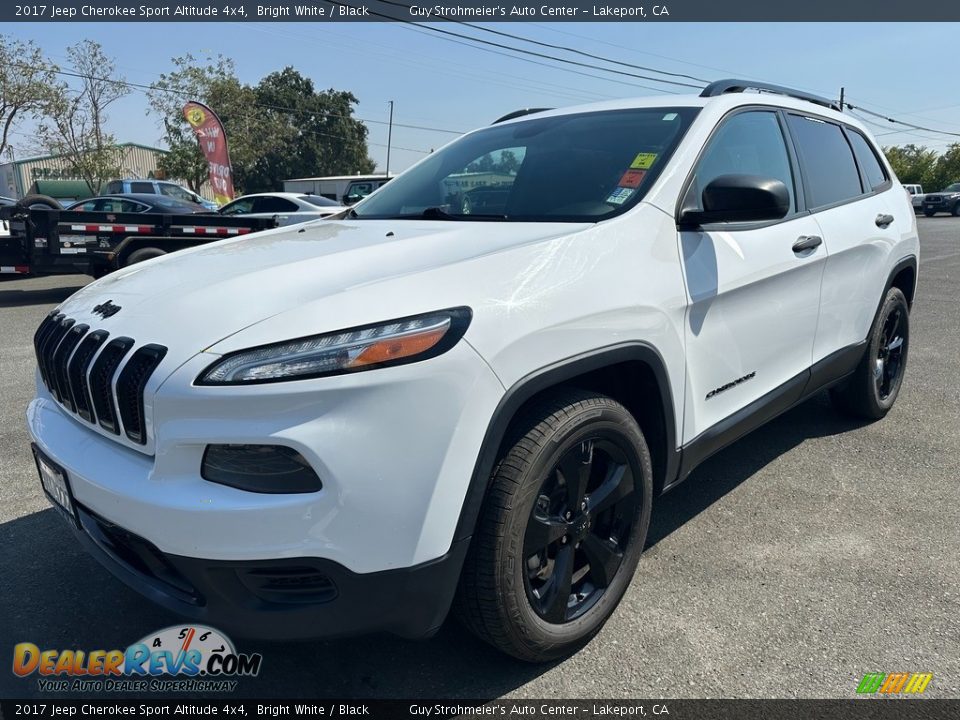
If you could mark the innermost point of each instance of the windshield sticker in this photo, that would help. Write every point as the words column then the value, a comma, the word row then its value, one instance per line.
column 620, row 196
column 643, row 161
column 670, row 116
column 632, row 178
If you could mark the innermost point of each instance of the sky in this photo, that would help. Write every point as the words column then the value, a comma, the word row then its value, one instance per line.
column 454, row 86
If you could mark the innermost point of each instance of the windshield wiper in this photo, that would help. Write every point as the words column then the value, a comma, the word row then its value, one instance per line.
column 436, row 213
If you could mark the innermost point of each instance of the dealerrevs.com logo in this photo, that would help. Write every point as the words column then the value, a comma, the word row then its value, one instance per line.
column 180, row 658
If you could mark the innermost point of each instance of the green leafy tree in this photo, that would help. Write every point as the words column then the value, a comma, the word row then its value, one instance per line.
column 279, row 129
column 215, row 84
column 315, row 132
column 28, row 83
column 913, row 164
column 75, row 121
column 947, row 169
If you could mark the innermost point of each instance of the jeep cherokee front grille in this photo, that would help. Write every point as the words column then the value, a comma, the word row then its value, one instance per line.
column 79, row 367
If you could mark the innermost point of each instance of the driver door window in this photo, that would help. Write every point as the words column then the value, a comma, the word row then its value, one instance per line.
column 749, row 143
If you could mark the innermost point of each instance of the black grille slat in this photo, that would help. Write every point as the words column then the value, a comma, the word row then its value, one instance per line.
column 78, row 367
column 56, row 339
column 77, row 373
column 61, row 356
column 101, row 378
column 40, row 336
column 43, row 353
column 130, row 386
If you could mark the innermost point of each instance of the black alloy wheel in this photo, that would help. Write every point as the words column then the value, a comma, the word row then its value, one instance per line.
column 580, row 524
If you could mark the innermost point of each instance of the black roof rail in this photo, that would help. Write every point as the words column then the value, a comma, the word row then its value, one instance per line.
column 721, row 87
column 519, row 113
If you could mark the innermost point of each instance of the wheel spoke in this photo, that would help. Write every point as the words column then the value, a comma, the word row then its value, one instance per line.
column 542, row 532
column 895, row 344
column 604, row 558
column 617, row 485
column 575, row 469
column 556, row 594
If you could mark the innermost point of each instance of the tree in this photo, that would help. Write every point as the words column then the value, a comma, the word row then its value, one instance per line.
column 281, row 128
column 947, row 169
column 315, row 131
column 28, row 82
column 75, row 122
column 913, row 165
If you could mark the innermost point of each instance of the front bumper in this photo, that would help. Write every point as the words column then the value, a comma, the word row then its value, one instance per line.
column 394, row 449
column 290, row 599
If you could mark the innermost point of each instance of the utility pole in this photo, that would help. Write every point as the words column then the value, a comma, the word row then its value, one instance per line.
column 389, row 136
column 841, row 99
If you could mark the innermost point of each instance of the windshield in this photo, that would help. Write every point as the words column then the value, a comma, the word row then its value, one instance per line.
column 571, row 168
column 319, row 201
column 955, row 187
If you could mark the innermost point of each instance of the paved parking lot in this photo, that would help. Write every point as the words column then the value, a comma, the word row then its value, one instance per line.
column 811, row 552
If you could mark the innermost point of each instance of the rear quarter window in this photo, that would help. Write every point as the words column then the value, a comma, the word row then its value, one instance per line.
column 869, row 163
column 830, row 171
column 142, row 187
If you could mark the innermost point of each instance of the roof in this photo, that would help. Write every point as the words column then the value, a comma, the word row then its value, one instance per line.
column 58, row 155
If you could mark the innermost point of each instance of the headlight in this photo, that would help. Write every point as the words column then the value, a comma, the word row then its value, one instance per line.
column 375, row 346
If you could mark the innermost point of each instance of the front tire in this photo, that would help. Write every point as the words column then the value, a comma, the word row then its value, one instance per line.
column 956, row 210
column 873, row 388
column 561, row 530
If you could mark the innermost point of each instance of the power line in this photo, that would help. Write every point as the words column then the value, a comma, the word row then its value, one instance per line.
column 533, row 53
column 564, row 48
column 416, row 28
column 900, row 122
column 186, row 93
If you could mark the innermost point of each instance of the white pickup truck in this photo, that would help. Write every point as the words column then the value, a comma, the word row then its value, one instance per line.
column 916, row 196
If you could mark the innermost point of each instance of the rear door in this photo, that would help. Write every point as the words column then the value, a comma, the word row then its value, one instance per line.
column 861, row 214
column 753, row 300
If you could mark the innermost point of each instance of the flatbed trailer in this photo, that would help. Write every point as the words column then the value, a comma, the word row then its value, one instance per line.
column 44, row 241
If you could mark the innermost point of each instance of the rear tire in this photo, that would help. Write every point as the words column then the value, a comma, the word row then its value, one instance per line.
column 143, row 254
column 562, row 528
column 873, row 388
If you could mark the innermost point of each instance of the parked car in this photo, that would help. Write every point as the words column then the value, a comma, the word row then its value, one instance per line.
column 289, row 208
column 916, row 196
column 947, row 200
column 136, row 203
column 158, row 187
column 344, row 189
column 354, row 425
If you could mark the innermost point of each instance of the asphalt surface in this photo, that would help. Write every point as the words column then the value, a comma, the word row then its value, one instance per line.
column 809, row 553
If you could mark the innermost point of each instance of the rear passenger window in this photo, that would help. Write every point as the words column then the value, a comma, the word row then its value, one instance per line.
column 749, row 143
column 142, row 187
column 871, row 166
column 831, row 172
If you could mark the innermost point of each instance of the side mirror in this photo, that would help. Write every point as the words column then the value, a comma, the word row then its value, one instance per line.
column 352, row 198
column 739, row 198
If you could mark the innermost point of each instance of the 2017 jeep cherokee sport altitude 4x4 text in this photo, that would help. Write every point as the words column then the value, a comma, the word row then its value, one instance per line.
column 355, row 425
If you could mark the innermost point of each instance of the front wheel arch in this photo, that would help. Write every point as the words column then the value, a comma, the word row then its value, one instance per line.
column 581, row 371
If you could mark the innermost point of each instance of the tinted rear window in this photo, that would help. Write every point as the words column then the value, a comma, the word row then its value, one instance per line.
column 876, row 175
column 831, row 172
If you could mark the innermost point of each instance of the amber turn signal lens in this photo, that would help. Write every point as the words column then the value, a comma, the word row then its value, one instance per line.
column 399, row 347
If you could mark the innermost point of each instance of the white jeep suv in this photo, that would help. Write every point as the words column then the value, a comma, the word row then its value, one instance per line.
column 467, row 391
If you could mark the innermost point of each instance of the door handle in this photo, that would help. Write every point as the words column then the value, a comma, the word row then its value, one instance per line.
column 883, row 220
column 807, row 242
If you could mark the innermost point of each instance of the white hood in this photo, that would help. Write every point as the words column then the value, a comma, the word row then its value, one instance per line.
column 190, row 300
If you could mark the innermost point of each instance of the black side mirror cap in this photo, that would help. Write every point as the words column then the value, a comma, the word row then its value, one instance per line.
column 739, row 198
